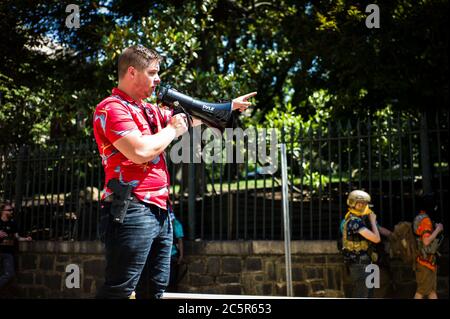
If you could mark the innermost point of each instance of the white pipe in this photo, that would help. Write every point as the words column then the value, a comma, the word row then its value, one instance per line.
column 287, row 224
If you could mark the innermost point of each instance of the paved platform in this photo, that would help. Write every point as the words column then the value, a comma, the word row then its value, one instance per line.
column 173, row 295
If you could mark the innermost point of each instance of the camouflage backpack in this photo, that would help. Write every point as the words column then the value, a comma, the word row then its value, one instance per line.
column 403, row 243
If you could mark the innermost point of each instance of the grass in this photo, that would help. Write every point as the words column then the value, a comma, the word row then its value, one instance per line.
column 250, row 184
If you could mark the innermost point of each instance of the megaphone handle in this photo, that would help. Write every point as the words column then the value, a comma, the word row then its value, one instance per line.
column 180, row 109
column 189, row 120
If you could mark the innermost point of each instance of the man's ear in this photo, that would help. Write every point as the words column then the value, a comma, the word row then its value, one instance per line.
column 132, row 71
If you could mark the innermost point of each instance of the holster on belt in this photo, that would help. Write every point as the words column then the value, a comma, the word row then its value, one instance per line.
column 122, row 196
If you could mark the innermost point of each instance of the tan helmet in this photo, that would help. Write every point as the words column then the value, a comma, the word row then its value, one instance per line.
column 357, row 196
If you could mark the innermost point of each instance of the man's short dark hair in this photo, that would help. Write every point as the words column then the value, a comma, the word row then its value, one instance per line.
column 138, row 57
column 5, row 204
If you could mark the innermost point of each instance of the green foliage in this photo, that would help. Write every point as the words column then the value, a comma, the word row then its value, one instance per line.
column 293, row 53
column 22, row 107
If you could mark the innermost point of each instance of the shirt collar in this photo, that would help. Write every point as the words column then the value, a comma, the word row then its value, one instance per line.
column 123, row 95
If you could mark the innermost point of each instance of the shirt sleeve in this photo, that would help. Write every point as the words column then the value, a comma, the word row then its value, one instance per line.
column 115, row 120
column 355, row 225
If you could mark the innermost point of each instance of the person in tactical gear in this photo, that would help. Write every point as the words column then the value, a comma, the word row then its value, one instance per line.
column 429, row 237
column 360, row 233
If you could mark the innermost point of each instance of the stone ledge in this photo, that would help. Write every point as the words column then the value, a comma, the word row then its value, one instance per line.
column 228, row 247
column 65, row 247
column 260, row 247
column 221, row 248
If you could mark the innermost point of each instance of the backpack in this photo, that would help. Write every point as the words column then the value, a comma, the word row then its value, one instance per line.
column 403, row 243
column 339, row 242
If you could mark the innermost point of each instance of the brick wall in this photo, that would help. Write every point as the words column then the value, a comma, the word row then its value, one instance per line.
column 222, row 267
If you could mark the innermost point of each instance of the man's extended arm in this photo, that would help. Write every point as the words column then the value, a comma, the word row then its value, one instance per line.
column 384, row 231
column 19, row 238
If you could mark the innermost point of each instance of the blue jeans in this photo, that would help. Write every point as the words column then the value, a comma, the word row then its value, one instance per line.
column 137, row 252
column 8, row 268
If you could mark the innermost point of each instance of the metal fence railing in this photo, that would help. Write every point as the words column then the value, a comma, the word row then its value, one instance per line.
column 56, row 188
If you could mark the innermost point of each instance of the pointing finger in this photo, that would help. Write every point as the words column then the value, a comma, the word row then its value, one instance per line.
column 249, row 95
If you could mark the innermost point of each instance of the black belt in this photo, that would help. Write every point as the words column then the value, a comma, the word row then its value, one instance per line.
column 153, row 207
column 365, row 260
column 134, row 199
column 358, row 259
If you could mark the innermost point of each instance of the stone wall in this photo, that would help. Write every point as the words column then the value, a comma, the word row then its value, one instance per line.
column 41, row 269
column 221, row 267
column 318, row 270
column 258, row 268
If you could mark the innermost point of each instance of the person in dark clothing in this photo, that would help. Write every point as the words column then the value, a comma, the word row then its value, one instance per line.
column 8, row 239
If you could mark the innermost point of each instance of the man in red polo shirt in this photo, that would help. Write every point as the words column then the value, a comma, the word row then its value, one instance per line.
column 131, row 136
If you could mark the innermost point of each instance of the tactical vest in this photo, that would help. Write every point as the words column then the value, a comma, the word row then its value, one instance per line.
column 355, row 243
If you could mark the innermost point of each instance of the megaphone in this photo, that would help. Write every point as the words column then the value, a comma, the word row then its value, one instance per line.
column 216, row 115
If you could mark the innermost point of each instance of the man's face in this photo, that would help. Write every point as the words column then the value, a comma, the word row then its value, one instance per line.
column 147, row 79
column 8, row 211
column 361, row 206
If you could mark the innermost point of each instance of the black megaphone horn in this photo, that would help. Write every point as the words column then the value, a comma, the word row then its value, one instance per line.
column 216, row 115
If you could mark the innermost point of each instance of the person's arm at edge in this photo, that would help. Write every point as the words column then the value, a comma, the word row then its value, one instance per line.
column 19, row 238
column 384, row 231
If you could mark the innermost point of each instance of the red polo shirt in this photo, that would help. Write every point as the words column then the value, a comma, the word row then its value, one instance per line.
column 115, row 117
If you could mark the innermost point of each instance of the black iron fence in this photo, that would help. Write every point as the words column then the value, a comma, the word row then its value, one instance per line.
column 56, row 187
